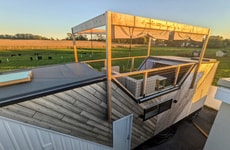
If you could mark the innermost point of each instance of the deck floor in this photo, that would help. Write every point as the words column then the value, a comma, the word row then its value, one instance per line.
column 187, row 136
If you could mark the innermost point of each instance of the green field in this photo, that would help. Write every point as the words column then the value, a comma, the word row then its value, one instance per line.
column 18, row 59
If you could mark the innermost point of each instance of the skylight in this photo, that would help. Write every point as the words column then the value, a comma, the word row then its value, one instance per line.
column 15, row 78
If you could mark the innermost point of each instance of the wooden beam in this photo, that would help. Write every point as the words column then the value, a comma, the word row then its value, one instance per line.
column 109, row 64
column 148, row 23
column 74, row 47
column 200, row 59
column 144, row 83
column 90, row 24
column 151, row 70
column 132, row 65
column 176, row 75
column 149, row 46
column 123, row 87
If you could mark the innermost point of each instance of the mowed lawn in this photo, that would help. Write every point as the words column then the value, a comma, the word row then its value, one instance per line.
column 20, row 59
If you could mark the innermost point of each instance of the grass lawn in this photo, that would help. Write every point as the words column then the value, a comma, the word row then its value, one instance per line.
column 18, row 59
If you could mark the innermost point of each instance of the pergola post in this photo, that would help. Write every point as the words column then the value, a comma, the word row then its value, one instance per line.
column 109, row 64
column 74, row 47
column 203, row 50
column 149, row 46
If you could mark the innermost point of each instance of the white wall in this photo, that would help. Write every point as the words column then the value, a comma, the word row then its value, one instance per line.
column 16, row 135
column 211, row 101
column 218, row 138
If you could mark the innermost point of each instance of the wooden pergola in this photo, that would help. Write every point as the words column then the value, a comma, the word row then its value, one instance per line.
column 127, row 26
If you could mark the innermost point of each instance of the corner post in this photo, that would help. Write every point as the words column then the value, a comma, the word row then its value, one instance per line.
column 149, row 46
column 109, row 63
column 203, row 50
column 74, row 47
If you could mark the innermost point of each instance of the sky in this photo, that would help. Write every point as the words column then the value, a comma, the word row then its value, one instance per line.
column 54, row 18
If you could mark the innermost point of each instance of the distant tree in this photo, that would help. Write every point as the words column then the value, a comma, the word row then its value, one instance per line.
column 22, row 36
column 77, row 37
column 81, row 37
column 216, row 42
column 69, row 36
column 227, row 43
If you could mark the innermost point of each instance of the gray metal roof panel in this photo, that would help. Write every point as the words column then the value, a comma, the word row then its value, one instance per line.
column 50, row 79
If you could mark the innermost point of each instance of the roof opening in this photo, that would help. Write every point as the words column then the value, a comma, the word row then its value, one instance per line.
column 15, row 78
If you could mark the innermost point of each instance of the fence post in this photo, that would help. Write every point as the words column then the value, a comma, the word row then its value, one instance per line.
column 132, row 64
column 144, row 83
column 176, row 75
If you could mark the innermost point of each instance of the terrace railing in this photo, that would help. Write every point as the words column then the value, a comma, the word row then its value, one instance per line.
column 141, row 84
column 131, row 66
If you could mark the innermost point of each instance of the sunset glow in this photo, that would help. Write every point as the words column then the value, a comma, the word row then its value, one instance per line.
column 54, row 18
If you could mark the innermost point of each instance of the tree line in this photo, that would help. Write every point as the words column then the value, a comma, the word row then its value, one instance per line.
column 214, row 41
column 23, row 36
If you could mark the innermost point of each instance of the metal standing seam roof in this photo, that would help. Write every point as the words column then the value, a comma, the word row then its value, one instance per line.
column 50, row 79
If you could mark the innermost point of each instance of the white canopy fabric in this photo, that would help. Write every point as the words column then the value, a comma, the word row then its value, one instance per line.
column 121, row 32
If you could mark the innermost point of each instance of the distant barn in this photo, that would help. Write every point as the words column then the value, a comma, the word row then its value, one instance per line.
column 221, row 53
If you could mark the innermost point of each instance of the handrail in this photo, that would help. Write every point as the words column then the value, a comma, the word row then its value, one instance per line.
column 145, row 73
column 177, row 69
column 151, row 70
column 122, row 58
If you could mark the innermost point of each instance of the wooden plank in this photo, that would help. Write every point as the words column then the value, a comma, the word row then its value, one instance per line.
column 60, row 123
column 90, row 24
column 132, row 64
column 127, row 106
column 124, row 112
column 144, row 83
column 60, row 109
column 101, row 132
column 87, row 95
column 89, row 89
column 74, row 46
column 200, row 59
column 109, row 64
column 84, row 103
column 75, row 53
column 56, row 100
column 103, row 104
column 150, row 70
column 123, row 87
column 138, row 132
column 116, row 114
column 91, row 109
column 100, row 87
column 176, row 75
column 33, row 121
column 142, row 131
column 99, row 126
column 77, row 123
column 104, row 138
column 66, row 97
column 149, row 46
column 42, row 109
column 100, row 96
column 148, row 23
column 127, row 101
column 20, row 110
column 96, row 119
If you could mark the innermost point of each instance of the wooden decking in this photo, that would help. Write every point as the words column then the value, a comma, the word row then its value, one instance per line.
column 82, row 111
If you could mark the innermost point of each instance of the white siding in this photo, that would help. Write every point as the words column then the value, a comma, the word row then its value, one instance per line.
column 20, row 136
